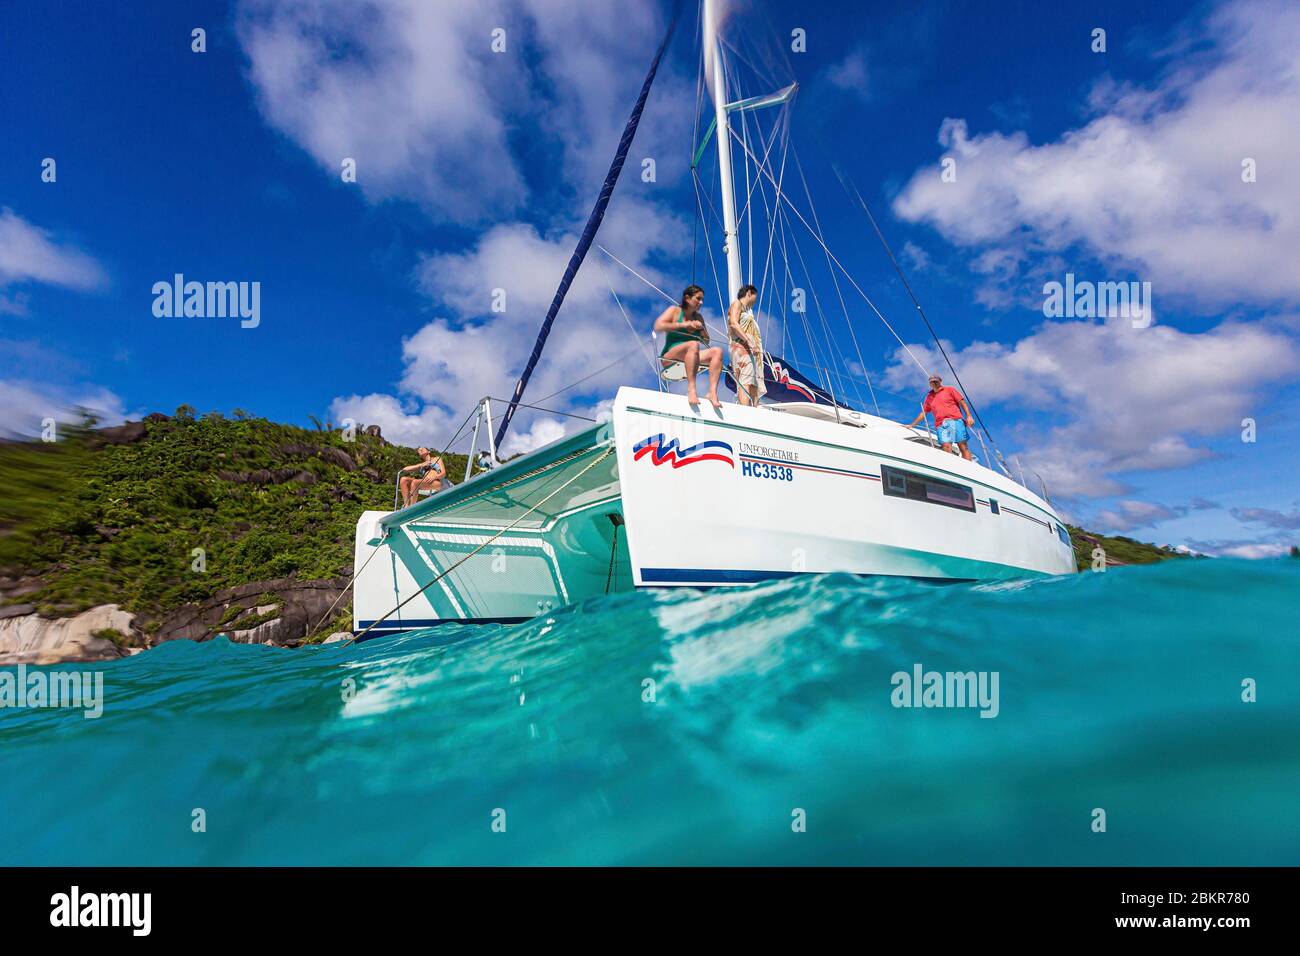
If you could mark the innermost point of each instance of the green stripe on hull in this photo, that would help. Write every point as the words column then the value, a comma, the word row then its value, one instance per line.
column 910, row 562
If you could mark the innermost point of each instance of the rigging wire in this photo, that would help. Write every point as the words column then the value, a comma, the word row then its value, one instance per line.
column 786, row 299
column 916, row 302
column 770, row 210
column 780, row 128
column 853, row 282
column 604, row 368
column 626, row 318
column 808, row 332
column 826, row 328
column 836, row 282
column 708, row 246
column 646, row 281
column 760, row 166
column 749, row 220
column 635, row 273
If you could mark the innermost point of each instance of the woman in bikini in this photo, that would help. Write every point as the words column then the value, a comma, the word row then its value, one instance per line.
column 746, row 347
column 431, row 480
column 686, row 340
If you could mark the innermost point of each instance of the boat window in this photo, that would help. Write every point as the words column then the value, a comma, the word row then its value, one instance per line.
column 1063, row 535
column 993, row 506
column 906, row 484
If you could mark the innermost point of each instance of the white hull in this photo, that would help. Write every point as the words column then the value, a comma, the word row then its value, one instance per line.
column 737, row 496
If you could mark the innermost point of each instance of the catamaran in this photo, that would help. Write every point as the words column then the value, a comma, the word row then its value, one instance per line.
column 665, row 493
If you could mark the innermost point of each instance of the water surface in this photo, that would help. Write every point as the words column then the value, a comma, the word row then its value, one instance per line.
column 1120, row 691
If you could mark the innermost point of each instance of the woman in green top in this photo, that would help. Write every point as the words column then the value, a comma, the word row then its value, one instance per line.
column 684, row 337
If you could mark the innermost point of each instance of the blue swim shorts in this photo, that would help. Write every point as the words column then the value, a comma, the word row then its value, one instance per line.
column 953, row 430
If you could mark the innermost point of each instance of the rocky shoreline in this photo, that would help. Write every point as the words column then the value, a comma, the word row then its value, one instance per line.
column 183, row 527
column 283, row 613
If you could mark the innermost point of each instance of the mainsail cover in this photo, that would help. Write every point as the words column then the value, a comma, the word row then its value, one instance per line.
column 588, row 233
column 785, row 383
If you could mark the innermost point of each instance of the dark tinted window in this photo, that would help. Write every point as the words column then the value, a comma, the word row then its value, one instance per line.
column 993, row 506
column 936, row 491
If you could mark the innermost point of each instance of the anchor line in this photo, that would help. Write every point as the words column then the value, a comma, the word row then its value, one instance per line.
column 609, row 576
column 471, row 554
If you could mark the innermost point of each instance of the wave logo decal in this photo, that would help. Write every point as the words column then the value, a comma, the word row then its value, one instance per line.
column 661, row 450
column 782, row 377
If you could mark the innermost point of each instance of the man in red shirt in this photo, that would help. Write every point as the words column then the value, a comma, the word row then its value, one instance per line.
column 951, row 415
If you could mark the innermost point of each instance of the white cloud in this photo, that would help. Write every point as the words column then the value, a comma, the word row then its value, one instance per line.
column 1119, row 399
column 1254, row 551
column 28, row 254
column 410, row 424
column 24, row 406
column 916, row 258
column 851, row 73
column 594, row 57
column 1153, row 183
column 453, row 361
column 414, row 424
column 407, row 88
column 543, row 432
column 1130, row 514
column 1269, row 518
column 412, row 90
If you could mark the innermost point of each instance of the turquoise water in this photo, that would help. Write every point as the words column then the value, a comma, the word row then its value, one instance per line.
column 1119, row 691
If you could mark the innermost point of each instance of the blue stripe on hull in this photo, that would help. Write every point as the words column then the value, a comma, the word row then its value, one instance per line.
column 413, row 625
column 715, row 576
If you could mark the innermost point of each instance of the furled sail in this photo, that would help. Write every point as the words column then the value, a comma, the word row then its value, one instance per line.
column 589, row 232
column 785, row 383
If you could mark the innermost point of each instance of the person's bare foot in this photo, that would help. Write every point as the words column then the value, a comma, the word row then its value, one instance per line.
column 692, row 398
column 713, row 400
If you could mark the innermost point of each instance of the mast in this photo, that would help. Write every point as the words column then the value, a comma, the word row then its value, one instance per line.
column 712, row 48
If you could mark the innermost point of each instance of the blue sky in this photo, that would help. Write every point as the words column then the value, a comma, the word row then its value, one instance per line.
column 475, row 169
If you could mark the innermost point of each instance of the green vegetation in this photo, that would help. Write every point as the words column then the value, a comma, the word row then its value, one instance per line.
column 1119, row 549
column 232, row 612
column 252, row 620
column 114, row 635
column 106, row 517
